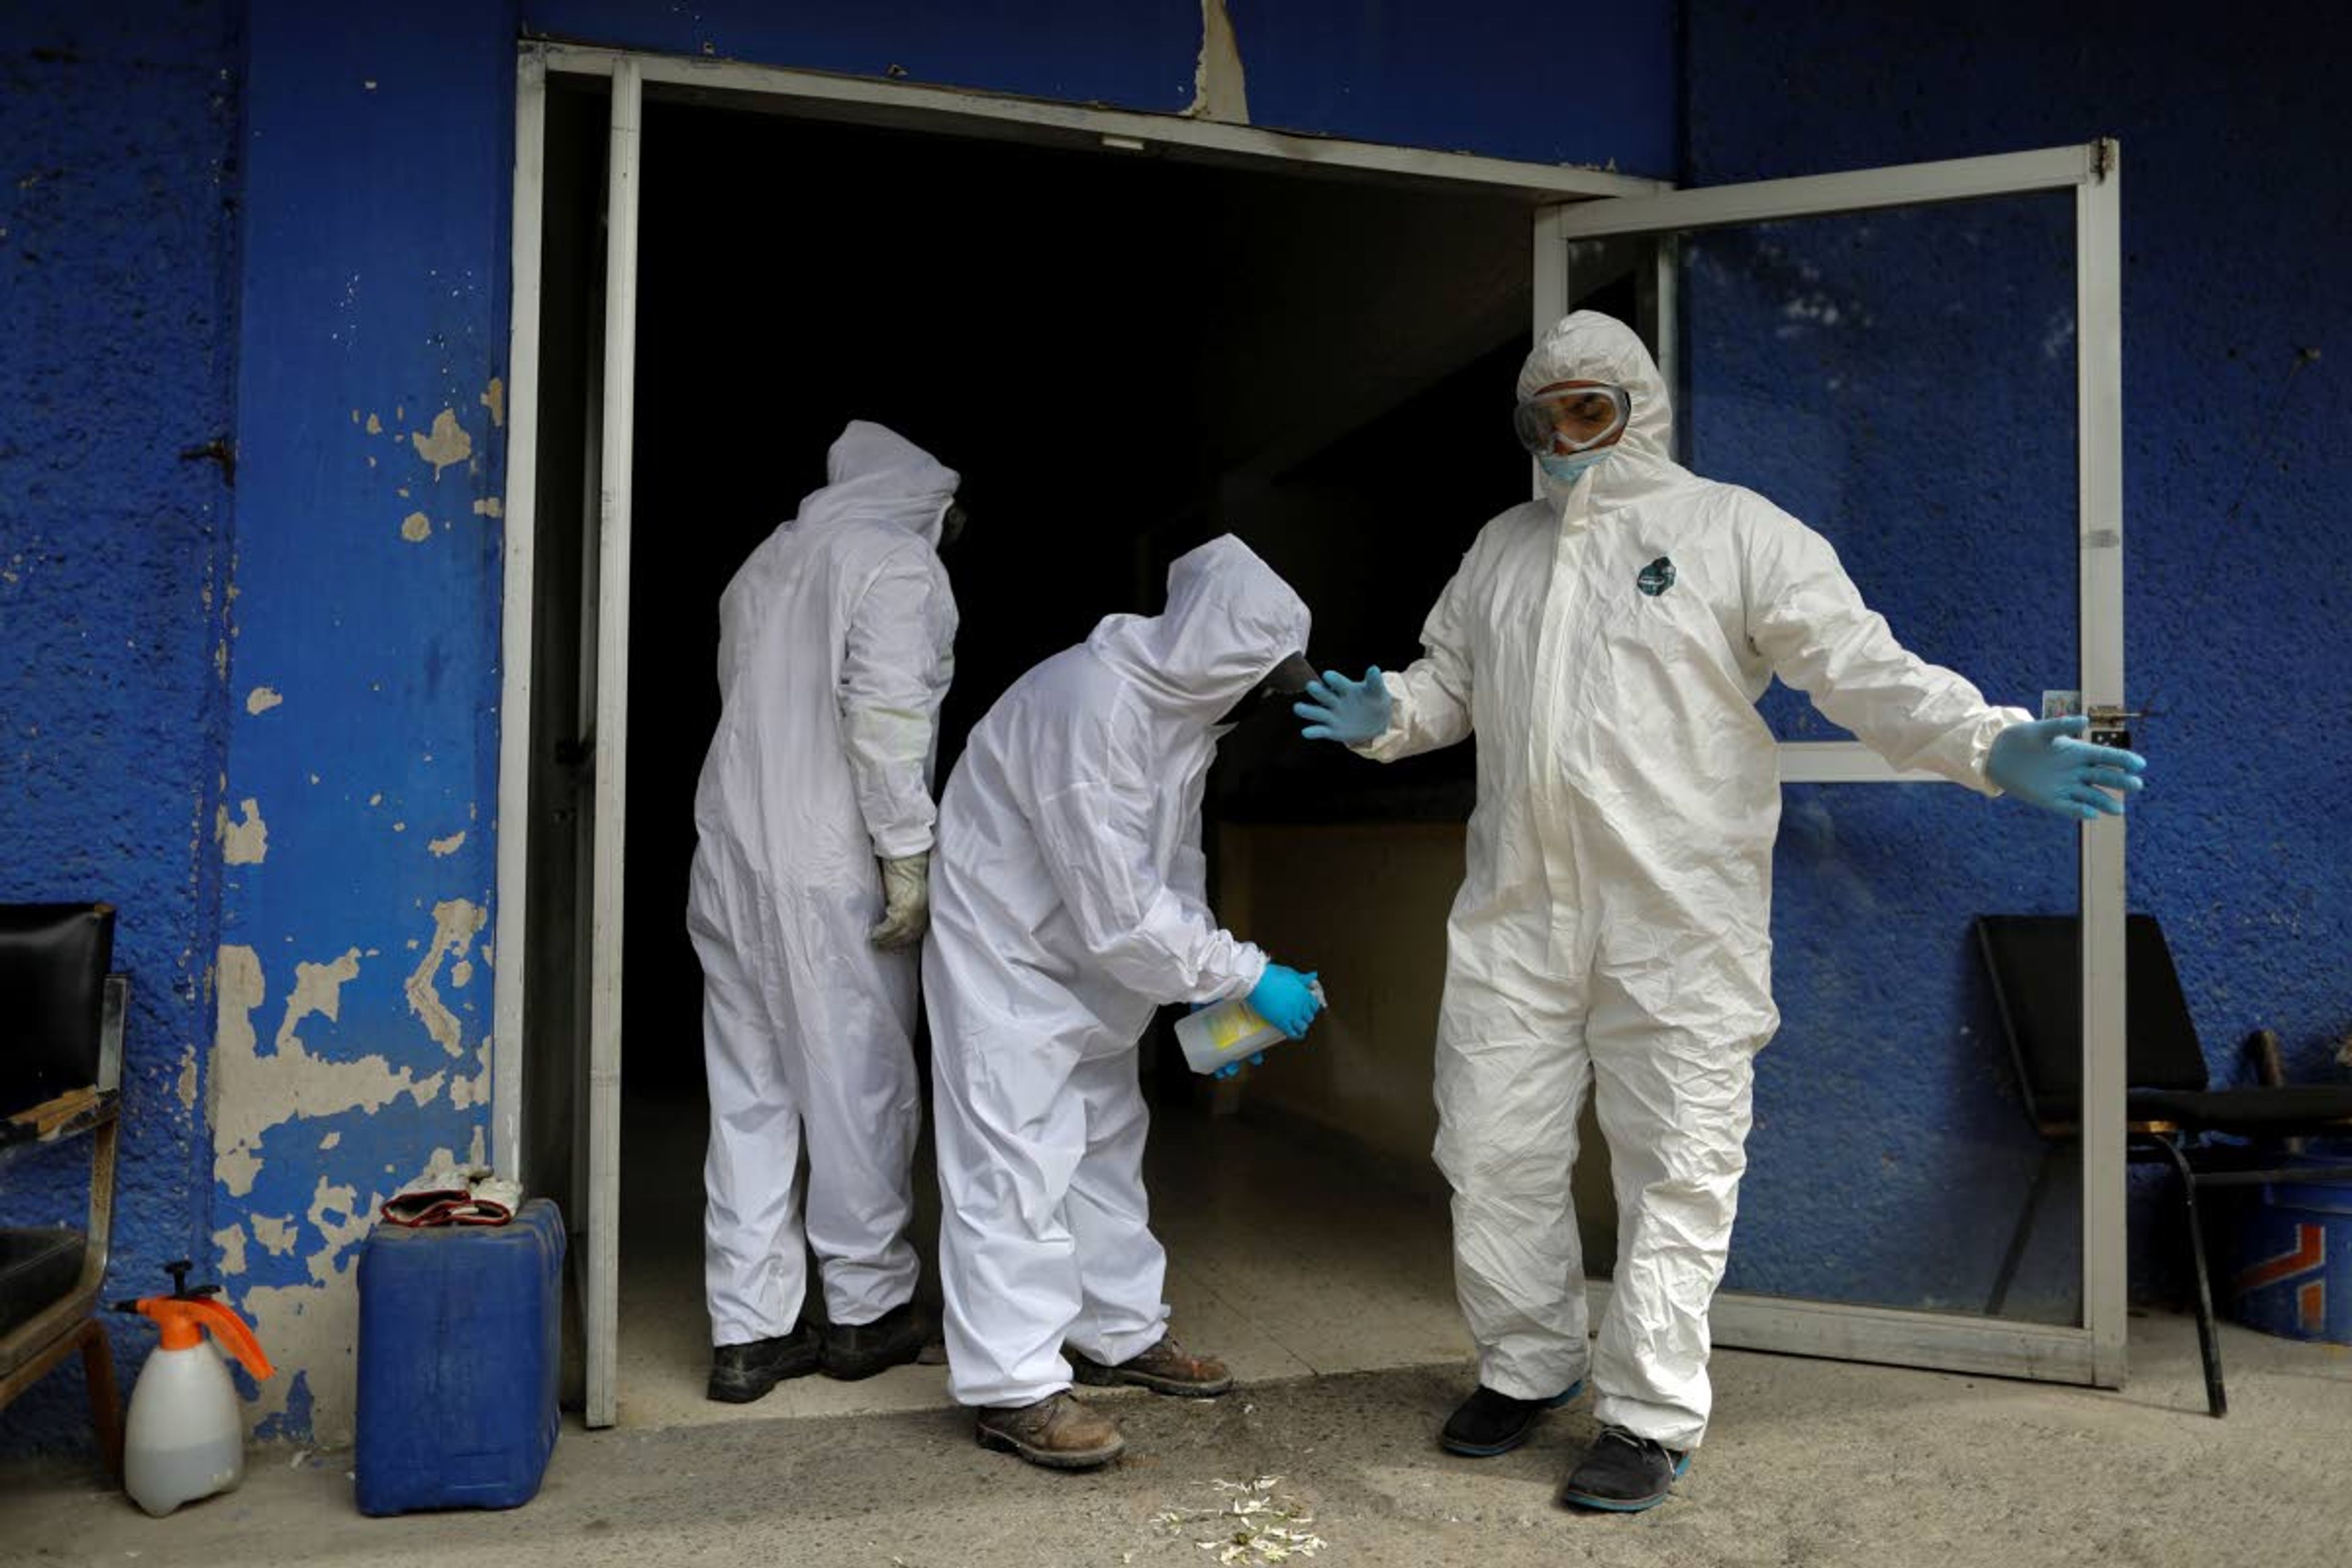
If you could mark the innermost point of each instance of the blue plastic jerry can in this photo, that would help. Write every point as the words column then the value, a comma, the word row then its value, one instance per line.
column 459, row 1355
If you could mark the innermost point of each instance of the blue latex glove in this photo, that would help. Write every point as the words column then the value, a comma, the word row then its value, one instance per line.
column 2042, row 765
column 1234, row 1069
column 1282, row 998
column 1349, row 712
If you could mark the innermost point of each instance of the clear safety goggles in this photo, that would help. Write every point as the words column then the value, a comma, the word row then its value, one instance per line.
column 1572, row 418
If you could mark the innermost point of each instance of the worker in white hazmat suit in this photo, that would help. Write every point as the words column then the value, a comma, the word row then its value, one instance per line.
column 809, row 896
column 1607, row 645
column 1069, row 903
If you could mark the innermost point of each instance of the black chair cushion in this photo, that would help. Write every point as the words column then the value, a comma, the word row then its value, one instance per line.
column 2282, row 1111
column 53, row 960
column 37, row 1269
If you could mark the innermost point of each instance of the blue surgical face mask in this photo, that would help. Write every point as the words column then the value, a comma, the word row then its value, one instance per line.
column 1566, row 471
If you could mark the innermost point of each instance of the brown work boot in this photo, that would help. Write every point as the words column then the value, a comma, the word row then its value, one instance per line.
column 1165, row 1368
column 1058, row 1431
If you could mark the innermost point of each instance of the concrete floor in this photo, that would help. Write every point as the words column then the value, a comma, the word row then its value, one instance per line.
column 1810, row 1463
column 1328, row 1289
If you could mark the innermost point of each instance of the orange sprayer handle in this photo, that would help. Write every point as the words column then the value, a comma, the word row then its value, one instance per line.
column 183, row 1318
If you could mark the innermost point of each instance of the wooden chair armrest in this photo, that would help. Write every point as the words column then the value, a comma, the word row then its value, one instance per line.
column 71, row 1111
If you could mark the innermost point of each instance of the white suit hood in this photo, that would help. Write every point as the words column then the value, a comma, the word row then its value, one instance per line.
column 875, row 474
column 1229, row 620
column 1590, row 346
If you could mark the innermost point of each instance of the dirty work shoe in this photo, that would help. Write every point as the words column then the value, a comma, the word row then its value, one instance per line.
column 1624, row 1474
column 1487, row 1423
column 853, row 1351
column 741, row 1374
column 1165, row 1368
column 1058, row 1431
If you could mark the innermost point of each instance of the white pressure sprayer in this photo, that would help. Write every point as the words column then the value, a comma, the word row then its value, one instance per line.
column 186, row 1436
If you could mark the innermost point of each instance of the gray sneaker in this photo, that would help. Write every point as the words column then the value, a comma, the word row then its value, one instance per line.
column 1624, row 1473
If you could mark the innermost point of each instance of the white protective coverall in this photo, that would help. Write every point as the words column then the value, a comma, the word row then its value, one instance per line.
column 1068, row 903
column 1607, row 646
column 836, row 646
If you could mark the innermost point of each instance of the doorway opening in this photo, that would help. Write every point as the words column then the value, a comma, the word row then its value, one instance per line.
column 1123, row 356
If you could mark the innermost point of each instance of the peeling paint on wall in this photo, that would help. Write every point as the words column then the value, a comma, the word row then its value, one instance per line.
column 244, row 842
column 276, row 1232
column 494, row 399
column 490, row 506
column 416, row 527
column 447, row 444
column 470, row 1091
column 253, row 1093
column 442, row 848
column 455, row 923
column 261, row 700
column 341, row 1221
column 187, row 1084
column 318, row 990
column 230, row 1247
column 1220, row 90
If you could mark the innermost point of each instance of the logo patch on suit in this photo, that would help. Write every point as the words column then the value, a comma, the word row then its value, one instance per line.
column 1656, row 577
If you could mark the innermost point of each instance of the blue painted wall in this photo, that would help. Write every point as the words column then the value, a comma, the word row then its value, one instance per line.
column 355, row 965
column 1511, row 82
column 1467, row 78
column 1138, row 55
column 117, row 352
column 1904, row 382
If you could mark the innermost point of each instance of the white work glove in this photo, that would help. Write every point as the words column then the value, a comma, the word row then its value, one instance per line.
column 906, row 903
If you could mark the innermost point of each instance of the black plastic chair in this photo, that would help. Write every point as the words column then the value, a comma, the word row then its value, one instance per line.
column 61, row 1016
column 2171, row 1113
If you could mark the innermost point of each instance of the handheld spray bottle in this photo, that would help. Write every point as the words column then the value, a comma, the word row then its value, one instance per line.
column 186, row 1436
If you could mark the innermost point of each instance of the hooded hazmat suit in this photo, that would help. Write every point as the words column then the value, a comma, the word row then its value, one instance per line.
column 835, row 649
column 1607, row 646
column 1068, row 903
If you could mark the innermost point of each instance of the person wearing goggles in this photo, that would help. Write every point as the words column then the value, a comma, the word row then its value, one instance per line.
column 1612, row 935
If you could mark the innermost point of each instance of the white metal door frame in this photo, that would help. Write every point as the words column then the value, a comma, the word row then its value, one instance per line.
column 2092, row 1352
column 519, row 512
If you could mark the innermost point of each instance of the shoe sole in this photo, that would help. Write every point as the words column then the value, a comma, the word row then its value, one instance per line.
column 1623, row 1505
column 746, row 1392
column 1096, row 1375
column 1049, row 1458
column 1493, row 1450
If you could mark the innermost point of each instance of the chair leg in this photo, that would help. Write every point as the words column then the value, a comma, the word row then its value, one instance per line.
column 2015, row 1257
column 105, row 1404
column 2208, row 1343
